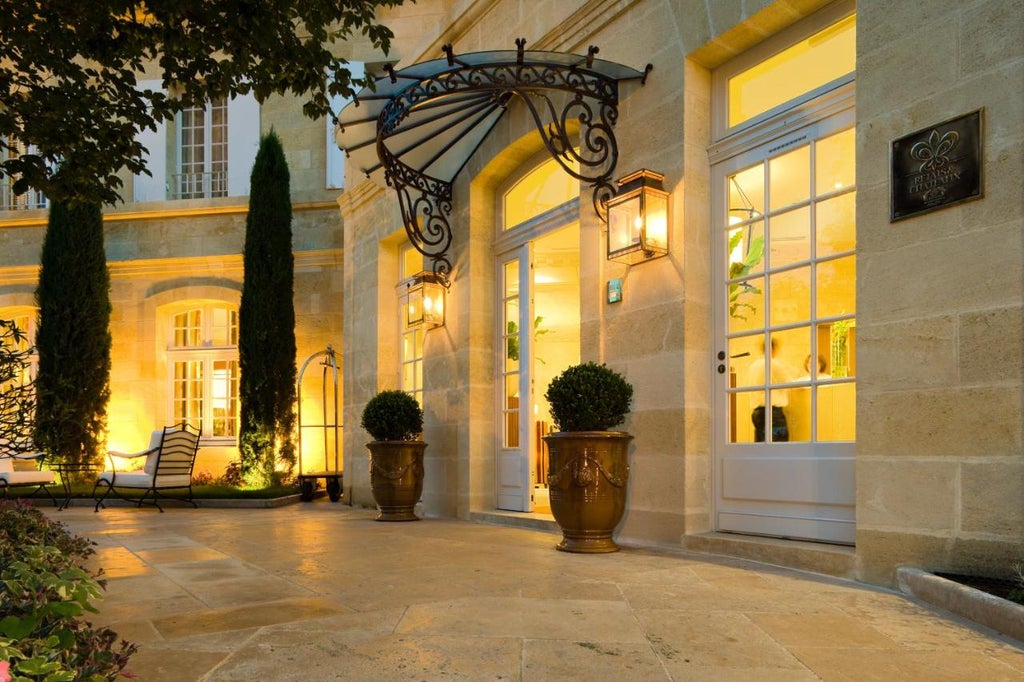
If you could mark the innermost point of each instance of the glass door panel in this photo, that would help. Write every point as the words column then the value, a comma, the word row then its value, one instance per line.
column 511, row 396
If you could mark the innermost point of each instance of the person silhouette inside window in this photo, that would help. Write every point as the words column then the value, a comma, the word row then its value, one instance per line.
column 781, row 373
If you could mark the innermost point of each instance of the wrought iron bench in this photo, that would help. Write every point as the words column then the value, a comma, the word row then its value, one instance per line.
column 168, row 467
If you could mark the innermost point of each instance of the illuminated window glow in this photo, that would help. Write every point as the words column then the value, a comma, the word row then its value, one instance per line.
column 822, row 58
column 203, row 353
column 542, row 189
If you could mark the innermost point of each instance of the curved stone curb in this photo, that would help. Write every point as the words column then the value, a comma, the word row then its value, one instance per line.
column 983, row 608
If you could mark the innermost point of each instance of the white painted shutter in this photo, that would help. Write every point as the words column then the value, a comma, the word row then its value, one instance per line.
column 336, row 157
column 243, row 142
column 145, row 187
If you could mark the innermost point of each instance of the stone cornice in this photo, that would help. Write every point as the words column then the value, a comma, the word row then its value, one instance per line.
column 39, row 217
column 222, row 266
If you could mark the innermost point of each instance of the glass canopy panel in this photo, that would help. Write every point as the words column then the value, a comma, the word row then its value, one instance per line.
column 447, row 122
column 822, row 58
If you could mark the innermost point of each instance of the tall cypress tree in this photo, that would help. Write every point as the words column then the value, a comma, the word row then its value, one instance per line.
column 73, row 335
column 266, row 321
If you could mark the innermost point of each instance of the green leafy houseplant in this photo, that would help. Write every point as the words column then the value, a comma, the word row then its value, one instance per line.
column 393, row 416
column 755, row 251
column 589, row 397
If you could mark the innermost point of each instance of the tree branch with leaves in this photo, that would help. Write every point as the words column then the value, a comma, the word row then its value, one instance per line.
column 70, row 71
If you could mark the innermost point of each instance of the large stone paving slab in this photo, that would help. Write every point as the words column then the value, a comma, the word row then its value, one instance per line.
column 322, row 592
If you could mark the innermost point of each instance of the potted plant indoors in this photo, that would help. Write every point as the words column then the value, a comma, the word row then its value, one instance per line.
column 587, row 462
column 394, row 420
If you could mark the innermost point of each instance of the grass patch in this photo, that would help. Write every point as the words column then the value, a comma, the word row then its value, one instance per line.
column 226, row 492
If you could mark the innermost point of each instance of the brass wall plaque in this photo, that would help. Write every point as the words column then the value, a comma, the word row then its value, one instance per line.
column 936, row 167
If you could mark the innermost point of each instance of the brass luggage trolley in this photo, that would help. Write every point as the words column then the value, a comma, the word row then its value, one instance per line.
column 330, row 429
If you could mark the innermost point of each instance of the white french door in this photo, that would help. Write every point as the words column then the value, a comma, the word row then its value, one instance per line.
column 537, row 339
column 785, row 334
column 515, row 476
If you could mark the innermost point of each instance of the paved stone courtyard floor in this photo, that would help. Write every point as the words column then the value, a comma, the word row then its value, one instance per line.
column 321, row 591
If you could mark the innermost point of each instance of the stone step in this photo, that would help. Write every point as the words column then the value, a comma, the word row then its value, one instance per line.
column 516, row 520
column 835, row 560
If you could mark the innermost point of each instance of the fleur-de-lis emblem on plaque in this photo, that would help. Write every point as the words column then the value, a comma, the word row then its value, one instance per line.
column 933, row 153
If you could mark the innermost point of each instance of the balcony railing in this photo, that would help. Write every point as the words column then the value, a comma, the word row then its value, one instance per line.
column 199, row 185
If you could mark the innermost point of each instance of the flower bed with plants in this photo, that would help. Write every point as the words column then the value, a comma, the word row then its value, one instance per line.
column 46, row 593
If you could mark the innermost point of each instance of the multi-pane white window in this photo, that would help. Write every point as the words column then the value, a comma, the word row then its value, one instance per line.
column 209, row 154
column 9, row 201
column 203, row 356
column 410, row 343
column 203, row 151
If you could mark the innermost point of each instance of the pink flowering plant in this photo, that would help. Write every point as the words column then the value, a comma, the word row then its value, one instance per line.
column 45, row 594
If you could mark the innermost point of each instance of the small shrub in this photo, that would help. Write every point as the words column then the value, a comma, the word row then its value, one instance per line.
column 46, row 591
column 202, row 478
column 393, row 415
column 589, row 397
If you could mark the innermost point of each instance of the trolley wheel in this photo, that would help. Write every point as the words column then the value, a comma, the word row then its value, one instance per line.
column 306, row 488
column 334, row 488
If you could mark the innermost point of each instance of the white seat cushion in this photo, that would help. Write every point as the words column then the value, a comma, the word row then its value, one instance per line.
column 26, row 477
column 140, row 479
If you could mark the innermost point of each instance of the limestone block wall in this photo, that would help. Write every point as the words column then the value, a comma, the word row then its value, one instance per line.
column 370, row 325
column 940, row 465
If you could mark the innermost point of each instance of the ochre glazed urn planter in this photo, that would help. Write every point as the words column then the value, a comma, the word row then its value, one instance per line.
column 396, row 478
column 587, row 476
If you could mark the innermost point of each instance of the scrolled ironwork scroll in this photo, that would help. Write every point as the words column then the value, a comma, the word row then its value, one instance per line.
column 563, row 99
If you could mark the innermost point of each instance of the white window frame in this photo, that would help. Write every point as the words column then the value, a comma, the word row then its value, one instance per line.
column 207, row 178
column 410, row 340
column 205, row 352
column 767, row 121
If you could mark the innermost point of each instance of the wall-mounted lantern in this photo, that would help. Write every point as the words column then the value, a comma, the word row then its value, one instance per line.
column 638, row 218
column 424, row 301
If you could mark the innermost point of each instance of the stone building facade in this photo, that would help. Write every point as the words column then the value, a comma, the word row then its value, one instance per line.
column 905, row 446
column 899, row 352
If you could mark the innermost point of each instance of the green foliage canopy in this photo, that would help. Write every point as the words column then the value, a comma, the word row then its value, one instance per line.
column 69, row 73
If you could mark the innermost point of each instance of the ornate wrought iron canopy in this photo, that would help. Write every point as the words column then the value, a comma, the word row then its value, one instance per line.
column 416, row 129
